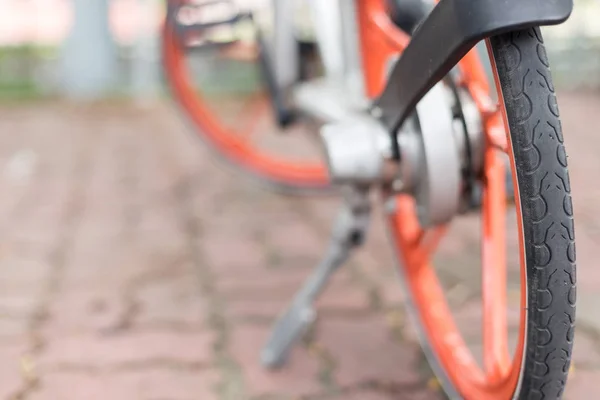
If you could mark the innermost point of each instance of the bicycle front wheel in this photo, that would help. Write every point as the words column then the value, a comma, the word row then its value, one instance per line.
column 540, row 361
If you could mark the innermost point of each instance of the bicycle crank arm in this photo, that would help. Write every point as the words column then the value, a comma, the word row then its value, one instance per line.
column 445, row 36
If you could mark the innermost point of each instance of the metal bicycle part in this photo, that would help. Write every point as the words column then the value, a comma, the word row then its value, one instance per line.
column 339, row 93
column 358, row 154
column 355, row 150
column 349, row 231
column 446, row 35
column 195, row 23
column 326, row 99
column 284, row 116
column 473, row 137
column 359, row 151
column 439, row 185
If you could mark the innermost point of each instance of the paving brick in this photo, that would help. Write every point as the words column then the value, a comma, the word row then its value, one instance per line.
column 175, row 301
column 407, row 328
column 583, row 384
column 18, row 270
column 262, row 284
column 375, row 356
column 18, row 307
column 468, row 318
column 159, row 230
column 365, row 395
column 132, row 238
column 373, row 264
column 296, row 241
column 323, row 210
column 104, row 269
column 587, row 256
column 248, row 309
column 144, row 384
column 424, row 394
column 231, row 254
column 391, row 290
column 344, row 296
column 130, row 347
column 586, row 351
column 250, row 302
column 13, row 327
column 11, row 378
column 298, row 377
column 475, row 346
column 40, row 222
column 464, row 270
column 17, row 304
column 84, row 311
column 409, row 394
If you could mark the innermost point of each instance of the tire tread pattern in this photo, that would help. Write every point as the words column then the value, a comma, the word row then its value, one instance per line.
column 547, row 210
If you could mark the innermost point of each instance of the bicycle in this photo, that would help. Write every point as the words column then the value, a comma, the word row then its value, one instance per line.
column 423, row 129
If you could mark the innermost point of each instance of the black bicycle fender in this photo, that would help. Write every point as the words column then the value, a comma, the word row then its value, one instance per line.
column 446, row 35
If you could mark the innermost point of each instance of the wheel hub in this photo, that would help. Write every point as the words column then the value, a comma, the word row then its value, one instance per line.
column 435, row 152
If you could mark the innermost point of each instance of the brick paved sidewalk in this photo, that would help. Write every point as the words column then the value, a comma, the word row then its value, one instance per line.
column 132, row 266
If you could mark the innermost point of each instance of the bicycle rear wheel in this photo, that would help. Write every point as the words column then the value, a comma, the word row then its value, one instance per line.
column 221, row 89
column 541, row 359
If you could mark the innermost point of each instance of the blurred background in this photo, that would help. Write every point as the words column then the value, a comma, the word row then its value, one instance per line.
column 42, row 42
column 134, row 265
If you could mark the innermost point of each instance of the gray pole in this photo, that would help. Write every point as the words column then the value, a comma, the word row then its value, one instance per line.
column 89, row 59
column 146, row 62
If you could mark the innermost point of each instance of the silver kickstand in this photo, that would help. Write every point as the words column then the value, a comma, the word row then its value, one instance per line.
column 349, row 231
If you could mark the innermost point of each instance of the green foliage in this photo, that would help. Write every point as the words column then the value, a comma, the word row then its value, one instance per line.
column 19, row 66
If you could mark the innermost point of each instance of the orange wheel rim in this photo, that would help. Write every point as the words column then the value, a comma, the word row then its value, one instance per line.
column 499, row 377
column 232, row 145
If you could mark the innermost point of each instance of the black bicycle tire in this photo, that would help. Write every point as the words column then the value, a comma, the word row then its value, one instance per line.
column 547, row 215
column 546, row 207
